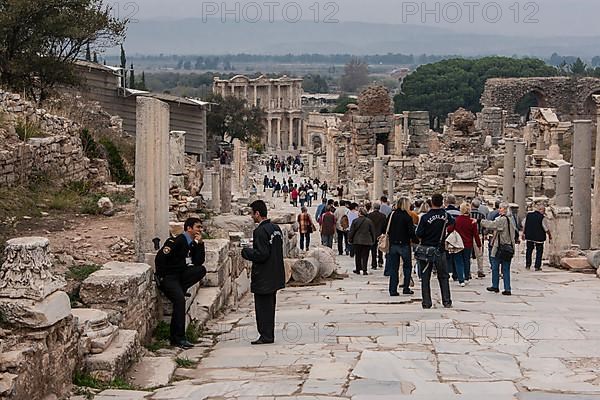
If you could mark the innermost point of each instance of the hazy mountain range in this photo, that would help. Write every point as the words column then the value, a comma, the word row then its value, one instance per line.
column 193, row 36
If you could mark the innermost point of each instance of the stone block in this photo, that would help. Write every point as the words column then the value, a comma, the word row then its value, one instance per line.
column 36, row 314
column 575, row 264
column 151, row 372
column 219, row 274
column 242, row 284
column 116, row 360
column 594, row 259
column 217, row 251
column 204, row 305
column 116, row 282
column 221, row 225
column 283, row 217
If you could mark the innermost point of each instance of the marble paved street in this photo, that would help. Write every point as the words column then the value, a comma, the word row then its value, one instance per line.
column 347, row 339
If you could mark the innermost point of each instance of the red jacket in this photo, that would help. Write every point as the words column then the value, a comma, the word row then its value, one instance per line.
column 467, row 229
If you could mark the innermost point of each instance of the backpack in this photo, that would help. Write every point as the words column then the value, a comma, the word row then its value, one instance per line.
column 344, row 222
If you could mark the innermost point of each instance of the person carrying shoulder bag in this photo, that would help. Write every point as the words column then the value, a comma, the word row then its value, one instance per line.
column 505, row 236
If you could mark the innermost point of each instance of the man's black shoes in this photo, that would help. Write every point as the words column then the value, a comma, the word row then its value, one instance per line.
column 262, row 340
column 408, row 292
column 182, row 344
column 493, row 289
column 507, row 293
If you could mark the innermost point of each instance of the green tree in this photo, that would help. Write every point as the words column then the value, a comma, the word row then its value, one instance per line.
column 342, row 104
column 132, row 78
column 578, row 68
column 123, row 67
column 315, row 84
column 143, row 85
column 231, row 115
column 88, row 54
column 356, row 75
column 95, row 58
column 41, row 39
column 443, row 87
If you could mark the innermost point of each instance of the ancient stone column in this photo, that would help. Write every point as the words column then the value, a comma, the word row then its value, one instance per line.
column 378, row 179
column 291, row 135
column 269, row 127
column 554, row 150
column 311, row 156
column 563, row 185
column 215, row 180
column 151, row 174
column 391, row 182
column 177, row 159
column 278, row 147
column 582, row 183
column 226, row 197
column 509, row 165
column 520, row 186
column 596, row 200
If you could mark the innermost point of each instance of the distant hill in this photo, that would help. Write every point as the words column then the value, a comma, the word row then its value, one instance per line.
column 193, row 36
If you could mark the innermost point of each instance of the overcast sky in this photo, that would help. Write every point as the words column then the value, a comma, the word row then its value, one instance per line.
column 541, row 18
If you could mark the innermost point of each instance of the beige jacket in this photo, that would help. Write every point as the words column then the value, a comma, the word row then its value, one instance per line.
column 504, row 231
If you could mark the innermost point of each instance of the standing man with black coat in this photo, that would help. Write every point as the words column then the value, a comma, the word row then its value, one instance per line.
column 179, row 266
column 432, row 233
column 535, row 232
column 268, row 273
column 379, row 224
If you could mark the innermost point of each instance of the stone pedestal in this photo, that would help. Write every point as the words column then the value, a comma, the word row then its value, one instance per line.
column 559, row 222
column 380, row 151
column 596, row 200
column 391, row 182
column 509, row 165
column 554, row 150
column 563, row 185
column 215, row 180
column 377, row 179
column 520, row 186
column 151, row 174
column 226, row 197
column 582, row 183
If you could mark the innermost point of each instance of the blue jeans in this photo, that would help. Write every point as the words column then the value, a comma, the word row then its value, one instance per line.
column 462, row 261
column 304, row 237
column 396, row 253
column 496, row 264
column 327, row 240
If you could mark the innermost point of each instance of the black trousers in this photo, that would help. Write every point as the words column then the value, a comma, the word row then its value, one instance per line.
column 174, row 287
column 361, row 256
column 442, row 274
column 342, row 241
column 376, row 256
column 264, row 306
column 539, row 252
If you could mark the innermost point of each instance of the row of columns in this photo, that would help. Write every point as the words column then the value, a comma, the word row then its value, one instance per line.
column 294, row 135
column 292, row 95
column 514, row 188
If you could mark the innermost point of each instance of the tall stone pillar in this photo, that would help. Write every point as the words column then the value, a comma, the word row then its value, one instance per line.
column 520, row 186
column 311, row 163
column 269, row 128
column 509, row 165
column 215, row 180
column 151, row 174
column 391, row 182
column 255, row 95
column 291, row 134
column 278, row 96
column 177, row 159
column 563, row 185
column 582, row 183
column 278, row 147
column 378, row 179
column 596, row 200
column 226, row 196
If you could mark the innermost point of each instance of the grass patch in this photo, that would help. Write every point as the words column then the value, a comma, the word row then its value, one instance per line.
column 194, row 332
column 81, row 272
column 86, row 380
column 185, row 362
column 27, row 130
column 160, row 337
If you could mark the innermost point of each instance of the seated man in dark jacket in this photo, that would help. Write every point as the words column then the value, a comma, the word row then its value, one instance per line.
column 268, row 272
column 179, row 266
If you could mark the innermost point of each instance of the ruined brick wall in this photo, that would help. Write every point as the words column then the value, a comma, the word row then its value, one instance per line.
column 569, row 96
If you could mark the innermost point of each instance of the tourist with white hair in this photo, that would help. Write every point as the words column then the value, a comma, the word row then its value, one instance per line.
column 535, row 233
column 502, row 247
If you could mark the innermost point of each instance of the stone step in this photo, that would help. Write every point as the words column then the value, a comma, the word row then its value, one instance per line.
column 152, row 372
column 114, row 394
column 116, row 359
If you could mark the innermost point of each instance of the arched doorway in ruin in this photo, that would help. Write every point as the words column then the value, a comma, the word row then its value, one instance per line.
column 533, row 98
column 590, row 108
column 316, row 143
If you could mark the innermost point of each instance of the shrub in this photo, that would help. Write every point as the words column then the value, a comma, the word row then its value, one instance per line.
column 81, row 272
column 185, row 362
column 27, row 130
column 115, row 163
column 90, row 147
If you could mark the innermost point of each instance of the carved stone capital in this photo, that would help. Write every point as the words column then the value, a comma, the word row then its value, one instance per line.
column 27, row 271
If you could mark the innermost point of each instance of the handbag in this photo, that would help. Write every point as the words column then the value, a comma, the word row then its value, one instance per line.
column 454, row 243
column 506, row 251
column 430, row 254
column 383, row 243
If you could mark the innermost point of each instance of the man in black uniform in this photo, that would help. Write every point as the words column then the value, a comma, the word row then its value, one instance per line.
column 179, row 266
column 268, row 273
